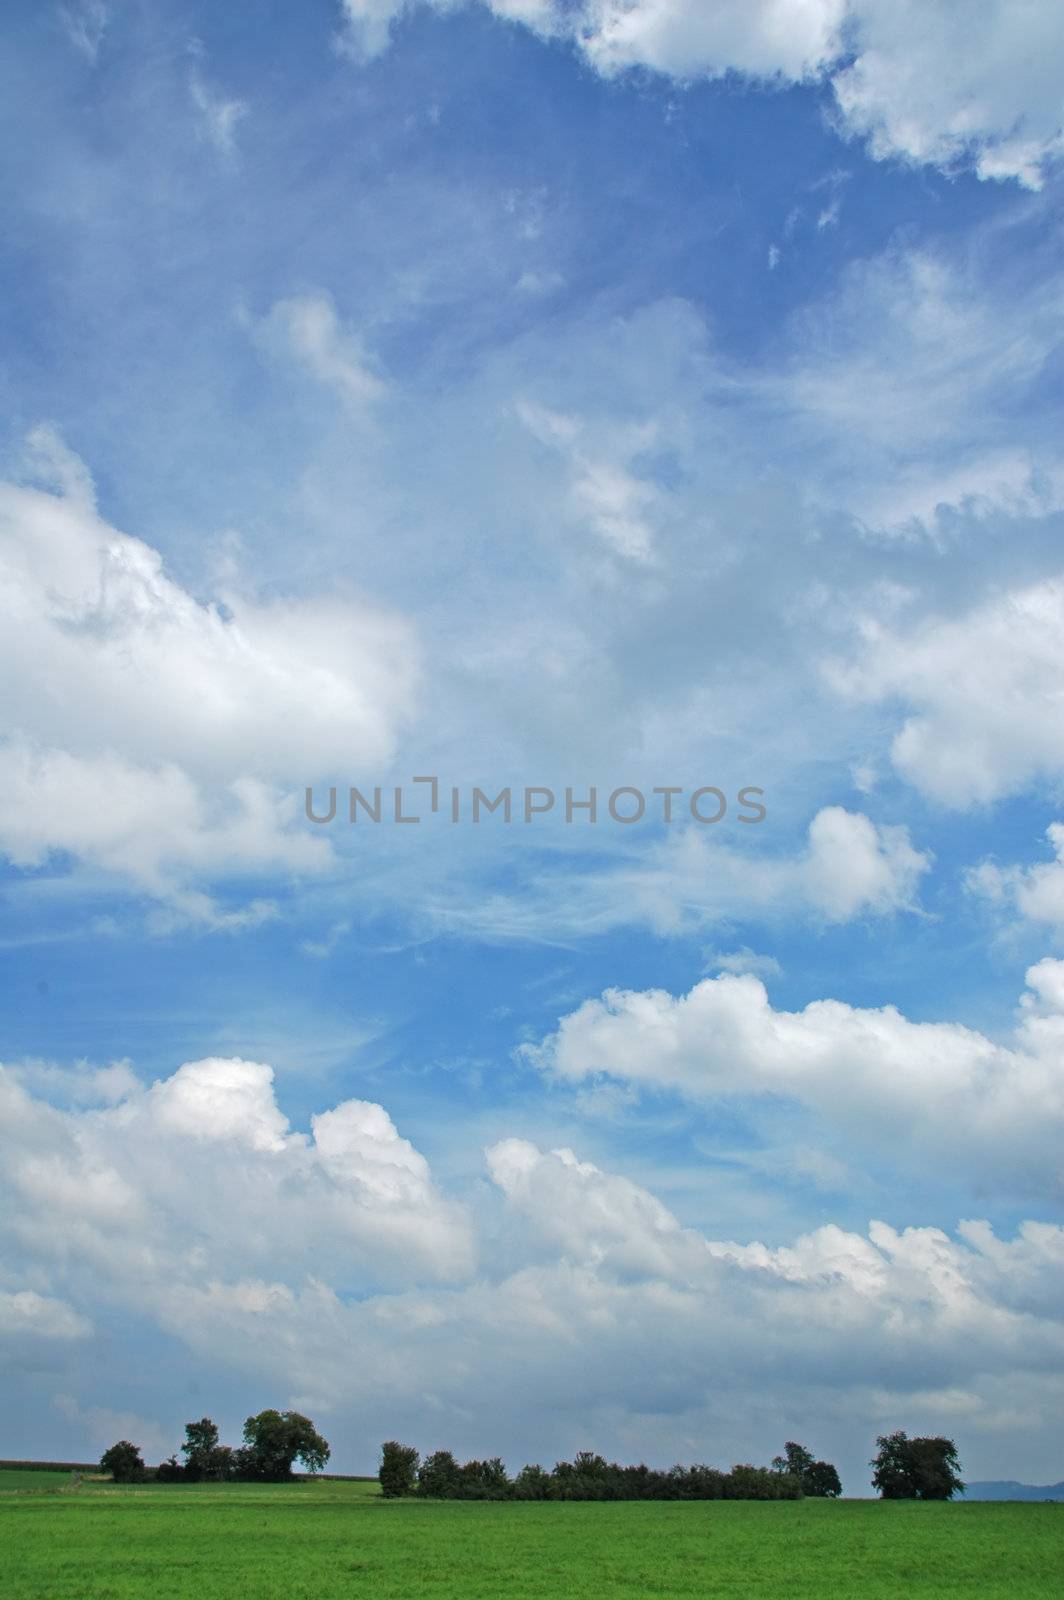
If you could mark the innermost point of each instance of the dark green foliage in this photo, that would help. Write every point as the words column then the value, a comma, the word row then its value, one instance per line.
column 531, row 1483
column 588, row 1477
column 819, row 1479
column 697, row 1483
column 398, row 1472
column 206, row 1461
column 916, row 1469
column 484, row 1480
column 439, row 1476
column 274, row 1441
column 123, row 1461
column 796, row 1460
column 745, row 1482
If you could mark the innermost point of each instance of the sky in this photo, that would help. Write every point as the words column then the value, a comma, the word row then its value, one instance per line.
column 659, row 398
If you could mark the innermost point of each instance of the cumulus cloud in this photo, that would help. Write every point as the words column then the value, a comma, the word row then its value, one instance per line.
column 934, row 82
column 947, row 83
column 1035, row 892
column 199, row 1180
column 155, row 735
column 903, row 1091
column 278, row 1254
column 760, row 38
column 985, row 691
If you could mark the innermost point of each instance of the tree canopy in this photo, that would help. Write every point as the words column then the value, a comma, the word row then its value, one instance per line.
column 275, row 1440
column 916, row 1469
column 124, row 1462
column 591, row 1477
column 819, row 1479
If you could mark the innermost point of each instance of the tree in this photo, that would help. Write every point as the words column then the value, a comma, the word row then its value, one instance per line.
column 275, row 1440
column 936, row 1468
column 821, row 1481
column 439, row 1476
column 796, row 1460
column 817, row 1478
column 398, row 1469
column 485, row 1480
column 205, row 1458
column 916, row 1469
column 124, row 1462
column 532, row 1483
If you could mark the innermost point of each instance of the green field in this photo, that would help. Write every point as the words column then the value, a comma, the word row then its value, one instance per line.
column 317, row 1541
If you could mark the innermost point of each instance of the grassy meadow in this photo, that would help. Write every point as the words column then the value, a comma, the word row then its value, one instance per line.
column 317, row 1541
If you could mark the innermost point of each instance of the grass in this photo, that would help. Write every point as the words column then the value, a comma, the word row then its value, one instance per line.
column 322, row 1541
column 33, row 1478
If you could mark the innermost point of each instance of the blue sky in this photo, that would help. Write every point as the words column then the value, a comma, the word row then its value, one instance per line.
column 612, row 393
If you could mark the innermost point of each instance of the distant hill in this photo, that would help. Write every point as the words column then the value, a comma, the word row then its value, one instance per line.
column 1010, row 1490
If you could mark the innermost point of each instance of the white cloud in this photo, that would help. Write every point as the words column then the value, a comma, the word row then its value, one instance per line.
column 152, row 825
column 936, row 82
column 1036, row 892
column 855, row 866
column 761, row 38
column 905, row 1091
column 199, row 1179
column 946, row 83
column 367, row 24
column 986, row 691
column 279, row 1254
column 164, row 738
column 685, row 880
column 82, row 1085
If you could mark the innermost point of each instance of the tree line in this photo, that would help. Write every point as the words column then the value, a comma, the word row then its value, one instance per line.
column 925, row 1468
column 273, row 1442
column 903, row 1469
column 591, row 1477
